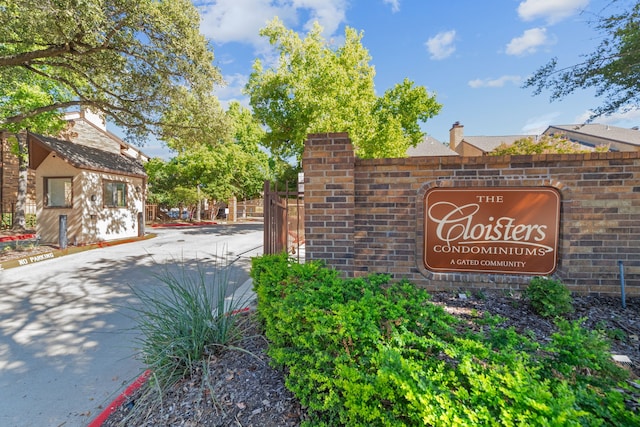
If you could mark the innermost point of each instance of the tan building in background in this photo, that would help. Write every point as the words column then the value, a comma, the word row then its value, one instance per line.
column 595, row 134
column 101, row 193
column 101, row 167
column 588, row 135
column 477, row 145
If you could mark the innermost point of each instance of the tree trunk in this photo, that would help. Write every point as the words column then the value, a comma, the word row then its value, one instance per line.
column 19, row 219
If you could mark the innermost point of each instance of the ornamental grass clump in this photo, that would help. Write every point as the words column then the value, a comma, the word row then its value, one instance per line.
column 188, row 318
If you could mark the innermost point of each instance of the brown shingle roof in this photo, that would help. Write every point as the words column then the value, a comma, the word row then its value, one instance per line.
column 82, row 157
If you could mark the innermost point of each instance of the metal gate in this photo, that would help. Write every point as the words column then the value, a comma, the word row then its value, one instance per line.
column 283, row 219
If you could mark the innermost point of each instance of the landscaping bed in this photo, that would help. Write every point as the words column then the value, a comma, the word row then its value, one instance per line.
column 20, row 245
column 241, row 388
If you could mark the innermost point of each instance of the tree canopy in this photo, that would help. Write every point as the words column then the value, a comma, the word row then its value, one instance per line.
column 545, row 145
column 219, row 173
column 317, row 88
column 132, row 60
column 217, row 170
column 612, row 69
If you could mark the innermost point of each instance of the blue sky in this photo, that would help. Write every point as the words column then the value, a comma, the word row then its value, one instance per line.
column 474, row 55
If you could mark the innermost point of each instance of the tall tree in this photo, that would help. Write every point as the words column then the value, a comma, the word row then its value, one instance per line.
column 134, row 61
column 612, row 69
column 129, row 60
column 206, row 167
column 253, row 165
column 31, row 91
column 317, row 88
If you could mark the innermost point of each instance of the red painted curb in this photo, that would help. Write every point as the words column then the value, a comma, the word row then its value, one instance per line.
column 19, row 237
column 104, row 415
column 183, row 224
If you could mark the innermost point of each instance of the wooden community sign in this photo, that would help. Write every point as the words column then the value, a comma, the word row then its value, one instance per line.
column 495, row 230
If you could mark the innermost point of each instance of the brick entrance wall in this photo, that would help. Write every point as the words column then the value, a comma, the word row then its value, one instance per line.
column 366, row 215
column 329, row 203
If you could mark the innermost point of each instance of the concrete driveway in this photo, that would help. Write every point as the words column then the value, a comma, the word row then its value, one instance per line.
column 67, row 340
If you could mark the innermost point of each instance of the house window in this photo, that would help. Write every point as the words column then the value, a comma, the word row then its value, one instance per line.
column 58, row 192
column 114, row 193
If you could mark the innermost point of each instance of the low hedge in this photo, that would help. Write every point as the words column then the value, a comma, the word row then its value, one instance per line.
column 365, row 352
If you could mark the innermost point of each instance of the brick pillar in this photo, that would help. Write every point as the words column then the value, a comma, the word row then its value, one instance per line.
column 329, row 202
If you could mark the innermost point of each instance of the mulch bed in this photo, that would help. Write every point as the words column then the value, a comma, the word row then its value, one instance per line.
column 241, row 389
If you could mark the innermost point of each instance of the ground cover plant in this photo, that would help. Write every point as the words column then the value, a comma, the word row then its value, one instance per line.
column 364, row 351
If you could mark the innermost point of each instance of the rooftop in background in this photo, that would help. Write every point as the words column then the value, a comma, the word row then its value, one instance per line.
column 92, row 129
column 618, row 138
column 430, row 147
column 588, row 135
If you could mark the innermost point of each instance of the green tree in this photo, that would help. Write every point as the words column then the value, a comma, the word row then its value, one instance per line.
column 31, row 91
column 199, row 121
column 132, row 61
column 545, row 145
column 211, row 165
column 138, row 62
column 251, row 166
column 397, row 115
column 215, row 173
column 612, row 69
column 317, row 88
column 246, row 129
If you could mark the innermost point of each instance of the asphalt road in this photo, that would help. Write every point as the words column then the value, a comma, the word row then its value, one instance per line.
column 67, row 337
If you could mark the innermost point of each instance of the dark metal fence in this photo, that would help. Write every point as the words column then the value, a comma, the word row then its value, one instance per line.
column 8, row 211
column 283, row 219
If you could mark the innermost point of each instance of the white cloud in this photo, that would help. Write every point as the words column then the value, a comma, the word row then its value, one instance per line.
column 552, row 11
column 537, row 125
column 623, row 119
column 441, row 45
column 529, row 42
column 229, row 20
column 499, row 82
column 226, row 21
column 395, row 4
column 232, row 90
column 329, row 13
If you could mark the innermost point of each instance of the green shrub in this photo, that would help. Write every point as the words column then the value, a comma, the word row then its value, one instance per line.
column 186, row 319
column 548, row 297
column 30, row 221
column 367, row 352
column 7, row 220
column 582, row 355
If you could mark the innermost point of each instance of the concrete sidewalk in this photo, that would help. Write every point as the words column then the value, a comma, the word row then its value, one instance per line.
column 243, row 298
column 66, row 341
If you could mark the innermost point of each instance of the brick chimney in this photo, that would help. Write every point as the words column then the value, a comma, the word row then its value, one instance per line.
column 456, row 134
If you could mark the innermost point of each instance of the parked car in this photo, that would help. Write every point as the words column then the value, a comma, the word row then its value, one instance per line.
column 175, row 213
